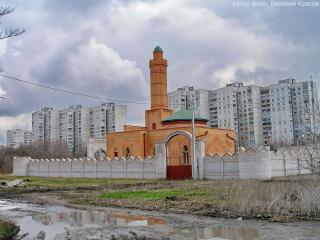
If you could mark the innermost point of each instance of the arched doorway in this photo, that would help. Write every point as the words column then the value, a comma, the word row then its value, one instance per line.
column 100, row 154
column 178, row 155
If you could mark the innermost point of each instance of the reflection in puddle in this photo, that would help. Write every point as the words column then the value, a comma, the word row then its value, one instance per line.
column 83, row 218
column 56, row 223
column 65, row 223
column 219, row 231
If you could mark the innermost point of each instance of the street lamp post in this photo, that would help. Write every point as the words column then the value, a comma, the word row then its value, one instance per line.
column 193, row 142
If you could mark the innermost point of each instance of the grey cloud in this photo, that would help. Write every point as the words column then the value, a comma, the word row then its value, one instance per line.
column 263, row 76
column 76, row 69
column 200, row 39
column 292, row 24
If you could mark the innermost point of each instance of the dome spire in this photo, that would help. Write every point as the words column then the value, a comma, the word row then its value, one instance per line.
column 157, row 49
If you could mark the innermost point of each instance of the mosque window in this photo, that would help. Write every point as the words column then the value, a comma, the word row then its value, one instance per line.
column 128, row 152
column 115, row 151
column 185, row 155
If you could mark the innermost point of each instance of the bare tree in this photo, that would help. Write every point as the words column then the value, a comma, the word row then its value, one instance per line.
column 308, row 153
column 80, row 150
column 311, row 147
column 9, row 32
column 37, row 150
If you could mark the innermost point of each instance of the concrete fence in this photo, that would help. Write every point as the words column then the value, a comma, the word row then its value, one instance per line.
column 221, row 167
column 260, row 163
column 87, row 167
column 251, row 163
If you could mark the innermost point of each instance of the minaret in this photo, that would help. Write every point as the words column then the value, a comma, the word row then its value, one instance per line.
column 158, row 80
column 158, row 87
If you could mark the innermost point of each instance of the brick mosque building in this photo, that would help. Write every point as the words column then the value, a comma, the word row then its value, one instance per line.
column 164, row 125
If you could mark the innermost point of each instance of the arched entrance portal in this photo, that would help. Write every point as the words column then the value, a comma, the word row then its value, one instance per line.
column 178, row 155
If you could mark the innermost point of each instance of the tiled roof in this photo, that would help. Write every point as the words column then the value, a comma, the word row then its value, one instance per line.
column 183, row 115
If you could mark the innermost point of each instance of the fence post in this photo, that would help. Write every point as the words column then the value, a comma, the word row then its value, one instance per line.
column 312, row 163
column 284, row 165
column 71, row 168
column 83, row 167
column 110, row 169
column 97, row 168
column 298, row 162
column 142, row 169
column 59, row 166
column 222, row 165
column 48, row 168
column 125, row 162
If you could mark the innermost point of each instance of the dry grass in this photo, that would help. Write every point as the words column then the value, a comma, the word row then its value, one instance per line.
column 290, row 197
column 283, row 198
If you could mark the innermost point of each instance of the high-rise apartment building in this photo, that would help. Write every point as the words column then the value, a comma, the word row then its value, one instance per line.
column 289, row 112
column 45, row 125
column 223, row 107
column 284, row 113
column 305, row 108
column 19, row 137
column 51, row 124
column 107, row 117
column 99, row 121
column 237, row 107
column 81, row 127
column 76, row 124
column 117, row 117
column 278, row 114
column 250, row 122
column 67, row 127
column 38, row 129
column 189, row 98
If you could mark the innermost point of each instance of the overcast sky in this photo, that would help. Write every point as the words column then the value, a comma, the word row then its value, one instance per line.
column 102, row 48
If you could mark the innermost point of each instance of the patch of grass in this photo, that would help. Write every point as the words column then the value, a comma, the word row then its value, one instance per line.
column 72, row 182
column 5, row 230
column 149, row 195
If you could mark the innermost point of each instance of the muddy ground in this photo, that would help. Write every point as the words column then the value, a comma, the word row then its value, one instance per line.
column 103, row 223
column 222, row 198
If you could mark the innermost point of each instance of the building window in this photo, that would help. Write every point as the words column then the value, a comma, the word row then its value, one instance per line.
column 154, row 125
column 185, row 155
column 115, row 152
column 128, row 152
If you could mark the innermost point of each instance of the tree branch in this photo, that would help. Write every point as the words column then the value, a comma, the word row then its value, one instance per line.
column 8, row 33
column 6, row 10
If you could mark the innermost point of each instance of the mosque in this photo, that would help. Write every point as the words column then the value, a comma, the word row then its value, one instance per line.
column 162, row 125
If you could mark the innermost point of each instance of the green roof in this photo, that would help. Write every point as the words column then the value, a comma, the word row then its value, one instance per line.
column 158, row 49
column 184, row 115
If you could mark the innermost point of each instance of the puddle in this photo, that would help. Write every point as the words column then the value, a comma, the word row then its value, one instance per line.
column 62, row 223
column 85, row 218
column 56, row 223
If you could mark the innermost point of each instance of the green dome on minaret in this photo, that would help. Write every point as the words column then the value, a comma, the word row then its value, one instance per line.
column 158, row 49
